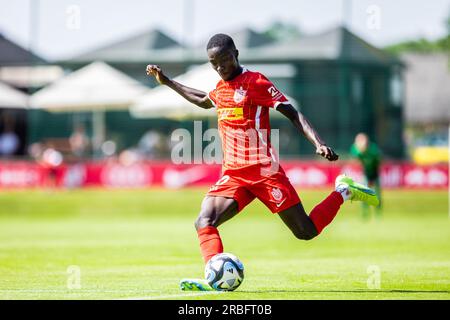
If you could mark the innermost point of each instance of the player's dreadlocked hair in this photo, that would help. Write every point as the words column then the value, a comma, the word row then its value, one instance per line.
column 220, row 40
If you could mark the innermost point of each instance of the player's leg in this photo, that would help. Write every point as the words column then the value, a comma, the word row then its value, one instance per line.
column 306, row 227
column 223, row 201
column 377, row 187
column 296, row 219
column 365, row 210
column 277, row 193
column 323, row 214
column 215, row 210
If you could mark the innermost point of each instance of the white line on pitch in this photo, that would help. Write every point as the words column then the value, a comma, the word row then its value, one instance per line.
column 168, row 296
column 78, row 291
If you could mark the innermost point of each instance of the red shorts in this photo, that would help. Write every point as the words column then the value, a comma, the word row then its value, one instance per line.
column 244, row 185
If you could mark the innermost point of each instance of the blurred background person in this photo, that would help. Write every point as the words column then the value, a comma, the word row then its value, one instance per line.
column 51, row 160
column 79, row 142
column 153, row 145
column 9, row 140
column 369, row 155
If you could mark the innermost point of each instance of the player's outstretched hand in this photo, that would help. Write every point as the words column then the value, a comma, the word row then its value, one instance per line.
column 326, row 152
column 154, row 70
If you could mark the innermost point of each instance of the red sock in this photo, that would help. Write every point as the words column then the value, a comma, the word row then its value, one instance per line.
column 210, row 242
column 324, row 212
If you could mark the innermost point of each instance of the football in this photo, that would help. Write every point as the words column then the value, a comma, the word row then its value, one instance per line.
column 224, row 272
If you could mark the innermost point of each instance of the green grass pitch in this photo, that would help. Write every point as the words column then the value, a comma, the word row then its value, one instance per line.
column 138, row 244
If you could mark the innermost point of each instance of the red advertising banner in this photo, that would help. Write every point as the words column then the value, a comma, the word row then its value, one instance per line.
column 306, row 174
column 21, row 175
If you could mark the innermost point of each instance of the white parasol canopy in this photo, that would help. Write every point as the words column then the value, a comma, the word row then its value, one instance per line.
column 12, row 98
column 163, row 102
column 95, row 86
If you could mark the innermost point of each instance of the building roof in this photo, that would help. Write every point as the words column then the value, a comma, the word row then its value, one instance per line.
column 134, row 47
column 426, row 77
column 335, row 44
column 248, row 38
column 12, row 54
column 243, row 38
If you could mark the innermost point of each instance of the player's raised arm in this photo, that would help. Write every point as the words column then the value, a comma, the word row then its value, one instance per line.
column 305, row 127
column 197, row 97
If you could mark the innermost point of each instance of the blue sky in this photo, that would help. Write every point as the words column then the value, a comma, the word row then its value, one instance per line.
column 61, row 32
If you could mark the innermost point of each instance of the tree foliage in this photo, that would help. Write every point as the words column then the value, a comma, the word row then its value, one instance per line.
column 423, row 45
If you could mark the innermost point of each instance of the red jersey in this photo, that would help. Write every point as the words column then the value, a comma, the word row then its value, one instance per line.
column 242, row 106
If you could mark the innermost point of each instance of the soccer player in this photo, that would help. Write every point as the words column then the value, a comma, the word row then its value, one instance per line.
column 250, row 170
column 369, row 156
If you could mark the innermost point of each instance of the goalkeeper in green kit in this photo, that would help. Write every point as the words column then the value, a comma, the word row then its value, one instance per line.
column 369, row 155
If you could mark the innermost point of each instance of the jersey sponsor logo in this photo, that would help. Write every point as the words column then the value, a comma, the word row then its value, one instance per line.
column 230, row 113
column 239, row 95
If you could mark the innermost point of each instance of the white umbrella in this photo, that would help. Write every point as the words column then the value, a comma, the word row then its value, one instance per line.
column 12, row 98
column 96, row 87
column 164, row 102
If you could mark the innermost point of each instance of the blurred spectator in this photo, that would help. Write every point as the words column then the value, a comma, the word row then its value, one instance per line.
column 35, row 151
column 129, row 157
column 153, row 145
column 9, row 140
column 49, row 159
column 109, row 148
column 52, row 158
column 369, row 155
column 75, row 176
column 79, row 142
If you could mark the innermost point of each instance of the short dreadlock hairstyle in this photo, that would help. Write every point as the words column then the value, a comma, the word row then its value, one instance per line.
column 222, row 41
